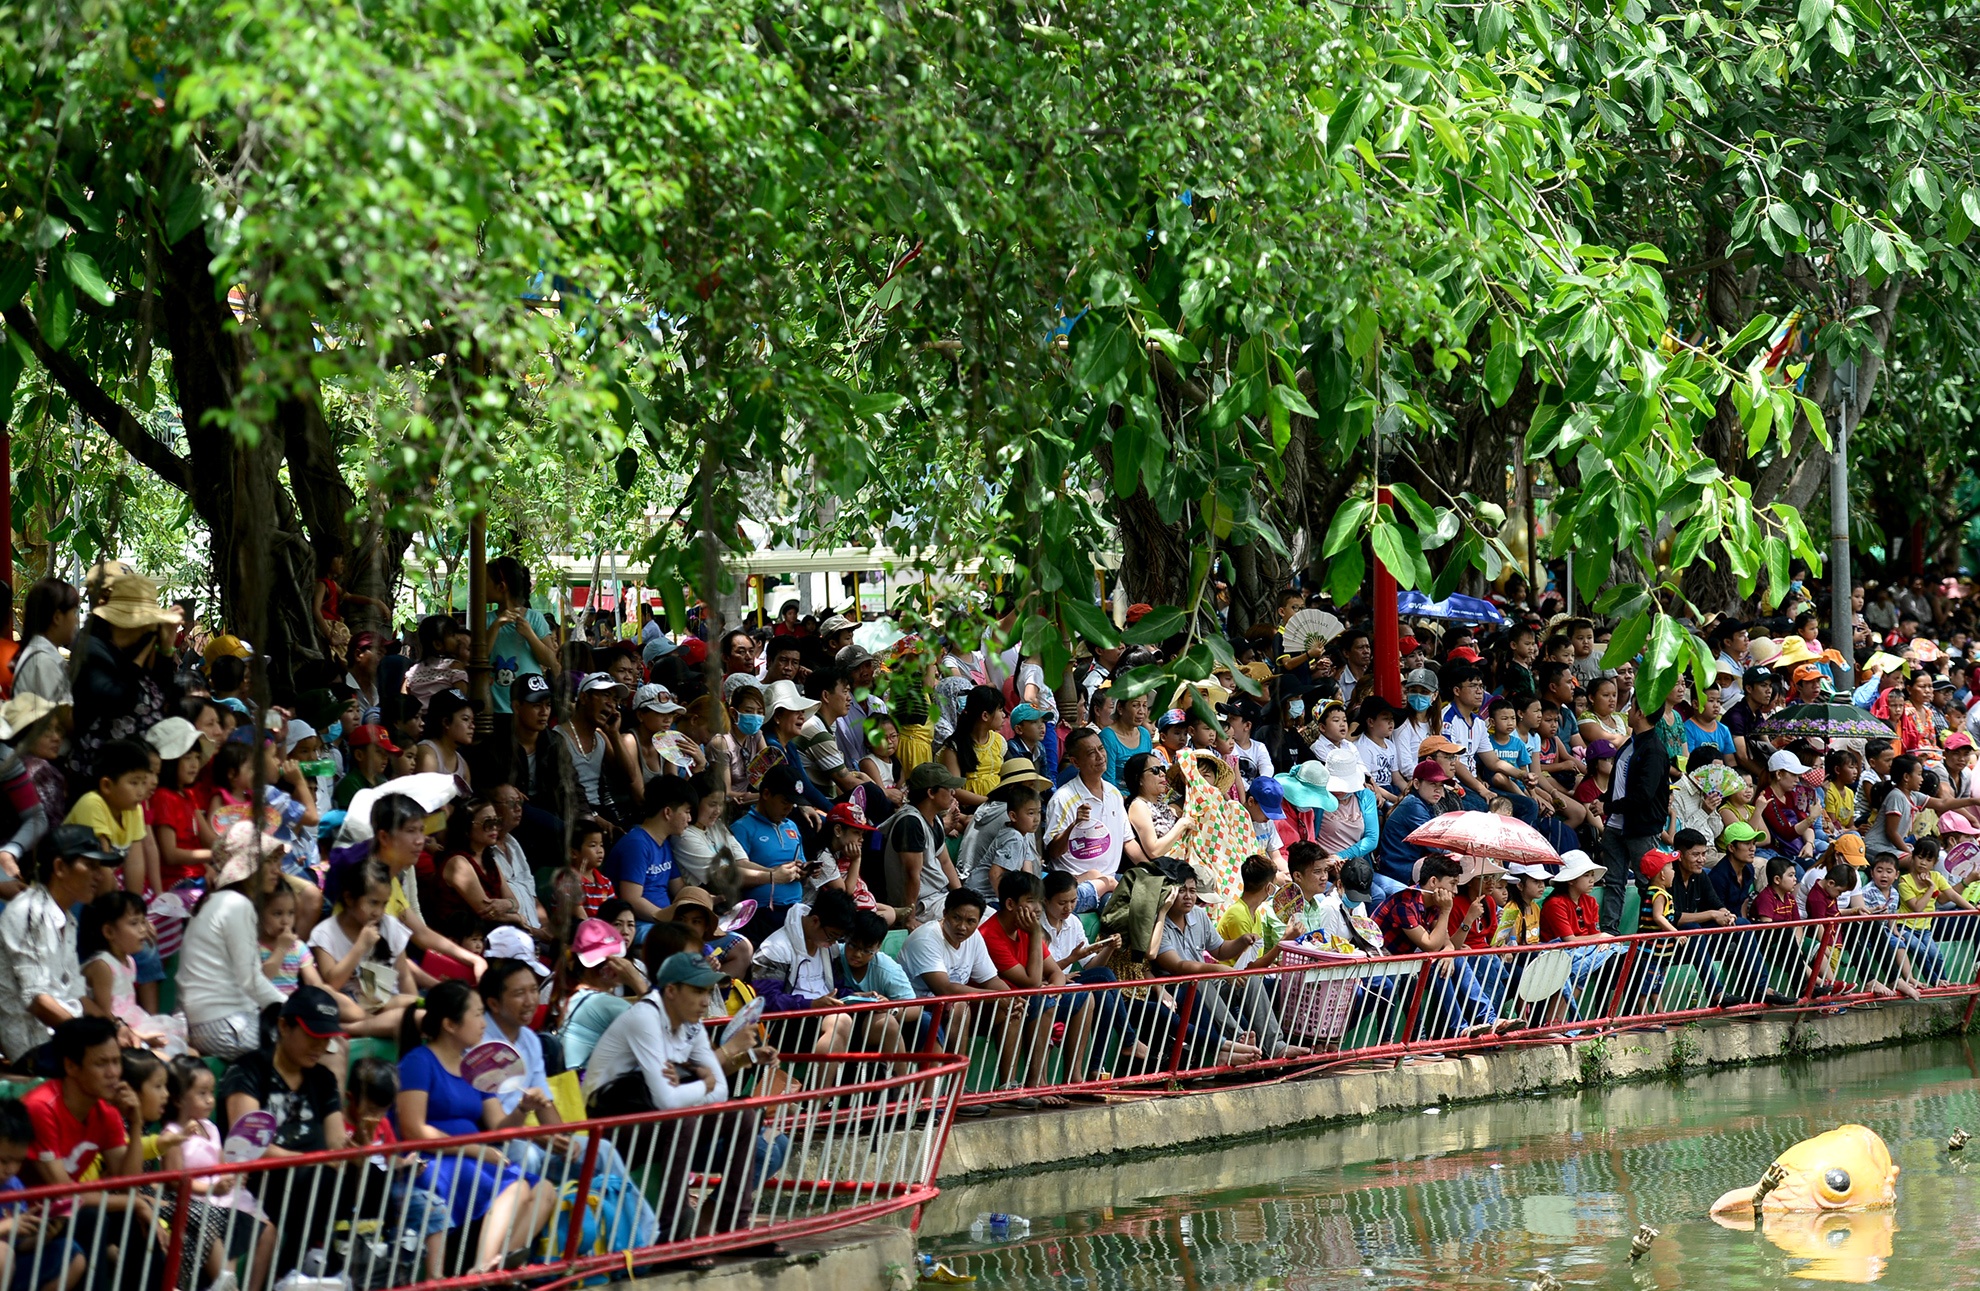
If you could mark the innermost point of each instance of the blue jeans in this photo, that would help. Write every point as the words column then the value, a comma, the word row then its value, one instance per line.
column 1927, row 964
column 1087, row 900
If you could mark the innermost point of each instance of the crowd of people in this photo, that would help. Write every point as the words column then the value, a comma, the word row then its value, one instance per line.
column 318, row 906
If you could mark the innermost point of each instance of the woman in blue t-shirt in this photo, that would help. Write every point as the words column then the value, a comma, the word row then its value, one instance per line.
column 436, row 1102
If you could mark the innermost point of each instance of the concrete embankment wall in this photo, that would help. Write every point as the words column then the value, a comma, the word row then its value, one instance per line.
column 1028, row 1144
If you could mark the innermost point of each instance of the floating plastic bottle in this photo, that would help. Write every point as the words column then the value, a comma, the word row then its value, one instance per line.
column 995, row 1226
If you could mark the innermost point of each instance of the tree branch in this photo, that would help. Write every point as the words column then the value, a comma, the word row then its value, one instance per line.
column 116, row 420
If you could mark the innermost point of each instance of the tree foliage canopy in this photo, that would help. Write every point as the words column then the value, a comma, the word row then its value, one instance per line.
column 987, row 279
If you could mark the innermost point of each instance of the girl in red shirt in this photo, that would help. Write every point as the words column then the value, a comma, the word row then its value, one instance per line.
column 1572, row 915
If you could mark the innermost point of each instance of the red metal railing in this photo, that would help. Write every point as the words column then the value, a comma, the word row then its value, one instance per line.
column 842, row 1139
column 1091, row 1037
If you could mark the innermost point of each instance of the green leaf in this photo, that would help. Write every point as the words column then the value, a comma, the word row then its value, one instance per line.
column 1814, row 16
column 1776, row 551
column 1344, row 575
column 1393, row 552
column 1102, row 347
column 1969, row 202
column 1627, row 641
column 1363, row 330
column 1926, row 185
column 1419, row 511
column 82, row 271
column 1463, row 558
column 58, row 311
column 1502, row 372
column 1691, row 538
column 1660, row 664
column 1156, row 626
column 1289, row 398
column 1176, row 346
column 1088, row 621
column 1346, row 527
column 1786, row 218
column 1756, row 327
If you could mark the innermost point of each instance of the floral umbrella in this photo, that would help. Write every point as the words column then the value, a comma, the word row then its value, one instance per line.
column 1822, row 722
column 1481, row 833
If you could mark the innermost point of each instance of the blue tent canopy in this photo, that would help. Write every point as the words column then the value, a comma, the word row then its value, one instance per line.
column 1453, row 608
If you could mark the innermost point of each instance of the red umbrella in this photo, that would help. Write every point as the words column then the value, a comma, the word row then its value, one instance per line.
column 1481, row 833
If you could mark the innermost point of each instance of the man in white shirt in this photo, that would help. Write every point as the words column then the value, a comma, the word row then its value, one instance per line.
column 656, row 1055
column 947, row 957
column 1086, row 822
column 41, row 980
column 1466, row 727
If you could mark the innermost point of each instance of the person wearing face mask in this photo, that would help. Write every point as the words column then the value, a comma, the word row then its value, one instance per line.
column 1416, row 721
column 1281, row 736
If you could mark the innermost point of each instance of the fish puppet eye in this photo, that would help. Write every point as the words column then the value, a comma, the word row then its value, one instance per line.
column 1835, row 1183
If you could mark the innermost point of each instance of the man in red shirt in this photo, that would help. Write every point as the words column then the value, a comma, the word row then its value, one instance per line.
column 86, row 1113
column 1016, row 943
column 86, row 1117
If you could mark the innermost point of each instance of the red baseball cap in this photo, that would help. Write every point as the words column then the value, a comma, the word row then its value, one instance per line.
column 694, row 652
column 1653, row 864
column 1463, row 654
column 1408, row 645
column 848, row 813
column 363, row 735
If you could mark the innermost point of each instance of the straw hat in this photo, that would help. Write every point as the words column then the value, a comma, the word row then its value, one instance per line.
column 1473, row 867
column 132, row 602
column 1022, row 771
column 23, row 711
column 1794, row 651
column 1763, row 651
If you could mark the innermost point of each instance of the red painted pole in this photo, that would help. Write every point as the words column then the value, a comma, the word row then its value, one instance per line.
column 1388, row 651
column 7, row 506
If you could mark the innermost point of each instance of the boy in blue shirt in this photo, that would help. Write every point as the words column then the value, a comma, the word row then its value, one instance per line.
column 641, row 864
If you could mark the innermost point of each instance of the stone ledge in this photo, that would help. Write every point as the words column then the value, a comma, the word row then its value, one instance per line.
column 877, row 1255
column 1044, row 1141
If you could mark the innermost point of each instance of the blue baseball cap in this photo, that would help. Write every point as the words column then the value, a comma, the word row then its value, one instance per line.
column 1026, row 713
column 1270, row 798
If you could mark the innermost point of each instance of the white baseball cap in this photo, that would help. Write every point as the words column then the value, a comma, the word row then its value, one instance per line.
column 1786, row 761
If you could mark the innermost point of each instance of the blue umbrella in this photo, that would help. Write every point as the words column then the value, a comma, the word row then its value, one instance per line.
column 1453, row 608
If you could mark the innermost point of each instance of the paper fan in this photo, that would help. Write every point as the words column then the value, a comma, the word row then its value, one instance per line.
column 1307, row 629
column 670, row 745
column 1718, row 778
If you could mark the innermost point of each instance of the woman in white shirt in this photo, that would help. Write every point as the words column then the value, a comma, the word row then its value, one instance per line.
column 707, row 846
column 48, row 623
column 221, row 986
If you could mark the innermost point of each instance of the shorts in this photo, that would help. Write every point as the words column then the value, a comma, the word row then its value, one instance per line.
column 228, row 1037
column 150, row 964
column 1088, row 899
column 30, row 1273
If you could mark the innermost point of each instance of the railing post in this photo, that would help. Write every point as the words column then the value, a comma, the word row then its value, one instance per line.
column 1182, row 1028
column 1821, row 955
column 175, row 1247
column 1428, row 967
column 1622, row 982
column 576, row 1220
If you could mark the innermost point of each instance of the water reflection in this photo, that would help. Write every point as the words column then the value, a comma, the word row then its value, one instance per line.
column 1492, row 1195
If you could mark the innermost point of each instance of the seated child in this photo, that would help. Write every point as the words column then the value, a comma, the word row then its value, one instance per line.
column 409, row 1213
column 189, row 1101
column 36, row 1251
column 1922, row 887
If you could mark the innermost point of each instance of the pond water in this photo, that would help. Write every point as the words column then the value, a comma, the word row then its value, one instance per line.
column 1493, row 1194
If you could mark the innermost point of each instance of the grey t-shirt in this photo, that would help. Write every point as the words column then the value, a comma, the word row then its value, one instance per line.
column 1876, row 840
column 1193, row 940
